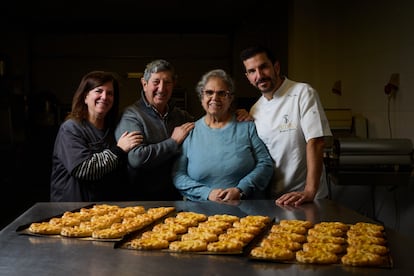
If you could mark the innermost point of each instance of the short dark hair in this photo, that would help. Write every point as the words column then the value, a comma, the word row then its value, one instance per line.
column 257, row 49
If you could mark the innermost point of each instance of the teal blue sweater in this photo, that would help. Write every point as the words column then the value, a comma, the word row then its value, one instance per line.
column 233, row 156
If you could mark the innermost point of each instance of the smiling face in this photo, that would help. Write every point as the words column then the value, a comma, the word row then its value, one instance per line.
column 158, row 89
column 216, row 101
column 99, row 101
column 262, row 74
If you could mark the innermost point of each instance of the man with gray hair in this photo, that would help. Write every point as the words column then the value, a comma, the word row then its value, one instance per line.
column 164, row 127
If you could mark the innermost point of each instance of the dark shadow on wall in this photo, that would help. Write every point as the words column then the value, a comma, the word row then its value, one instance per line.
column 26, row 163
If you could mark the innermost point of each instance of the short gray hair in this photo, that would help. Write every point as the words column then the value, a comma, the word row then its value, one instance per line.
column 159, row 65
column 216, row 73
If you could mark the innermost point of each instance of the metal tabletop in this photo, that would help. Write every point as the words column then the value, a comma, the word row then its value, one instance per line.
column 32, row 255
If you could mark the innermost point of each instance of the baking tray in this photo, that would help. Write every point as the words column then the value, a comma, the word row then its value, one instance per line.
column 124, row 243
column 387, row 259
column 24, row 229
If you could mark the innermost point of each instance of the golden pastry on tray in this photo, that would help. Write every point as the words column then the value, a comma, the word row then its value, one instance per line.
column 360, row 258
column 45, row 228
column 148, row 244
column 188, row 246
column 296, row 222
column 225, row 246
column 272, row 253
column 316, row 256
column 330, row 247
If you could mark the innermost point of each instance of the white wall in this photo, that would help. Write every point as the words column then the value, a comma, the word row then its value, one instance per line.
column 360, row 43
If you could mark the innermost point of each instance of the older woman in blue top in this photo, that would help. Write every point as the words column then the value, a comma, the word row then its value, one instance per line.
column 222, row 159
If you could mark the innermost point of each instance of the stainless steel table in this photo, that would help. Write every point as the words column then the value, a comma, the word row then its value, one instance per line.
column 30, row 255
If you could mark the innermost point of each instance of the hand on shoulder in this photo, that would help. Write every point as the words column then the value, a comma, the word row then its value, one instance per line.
column 243, row 115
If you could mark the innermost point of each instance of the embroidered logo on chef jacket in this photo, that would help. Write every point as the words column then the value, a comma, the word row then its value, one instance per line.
column 286, row 125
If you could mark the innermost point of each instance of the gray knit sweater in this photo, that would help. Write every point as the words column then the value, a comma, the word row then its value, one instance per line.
column 149, row 164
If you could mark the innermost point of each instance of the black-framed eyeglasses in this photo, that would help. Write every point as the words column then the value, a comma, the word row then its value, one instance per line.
column 220, row 93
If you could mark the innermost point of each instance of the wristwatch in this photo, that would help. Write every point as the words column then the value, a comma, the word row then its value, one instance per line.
column 242, row 194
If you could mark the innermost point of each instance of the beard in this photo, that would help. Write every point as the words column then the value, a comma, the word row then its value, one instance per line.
column 265, row 85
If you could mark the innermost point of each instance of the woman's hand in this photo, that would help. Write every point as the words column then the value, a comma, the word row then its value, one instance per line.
column 130, row 140
column 221, row 195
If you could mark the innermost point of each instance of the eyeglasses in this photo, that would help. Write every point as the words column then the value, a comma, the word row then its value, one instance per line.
column 220, row 93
